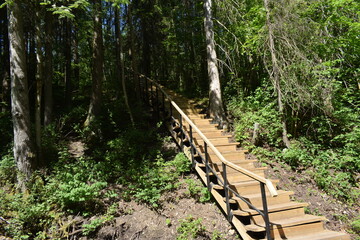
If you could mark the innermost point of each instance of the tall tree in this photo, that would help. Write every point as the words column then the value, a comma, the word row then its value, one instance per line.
column 4, row 58
column 67, row 53
column 120, row 68
column 97, row 72
column 48, row 74
column 39, row 78
column 23, row 143
column 216, row 109
column 275, row 74
column 133, row 51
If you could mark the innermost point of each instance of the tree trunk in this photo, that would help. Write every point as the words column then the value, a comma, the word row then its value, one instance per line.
column 117, row 51
column 275, row 75
column 120, row 69
column 146, row 35
column 39, row 81
column 76, row 57
column 216, row 109
column 97, row 65
column 48, row 78
column 67, row 53
column 133, row 52
column 23, row 144
column 5, row 86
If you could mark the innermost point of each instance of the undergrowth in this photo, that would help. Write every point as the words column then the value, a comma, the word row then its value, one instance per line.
column 67, row 186
column 331, row 159
column 327, row 148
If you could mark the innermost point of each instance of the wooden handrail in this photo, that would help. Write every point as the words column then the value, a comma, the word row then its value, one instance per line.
column 248, row 173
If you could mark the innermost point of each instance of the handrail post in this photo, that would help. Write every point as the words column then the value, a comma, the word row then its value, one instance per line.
column 191, row 147
column 207, row 166
column 228, row 209
column 181, row 134
column 265, row 211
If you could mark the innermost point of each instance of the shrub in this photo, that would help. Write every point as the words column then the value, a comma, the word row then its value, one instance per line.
column 154, row 178
column 190, row 228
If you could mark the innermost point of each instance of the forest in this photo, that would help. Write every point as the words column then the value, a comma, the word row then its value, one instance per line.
column 76, row 137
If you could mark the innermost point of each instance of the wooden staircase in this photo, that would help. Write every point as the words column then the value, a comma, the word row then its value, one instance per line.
column 238, row 193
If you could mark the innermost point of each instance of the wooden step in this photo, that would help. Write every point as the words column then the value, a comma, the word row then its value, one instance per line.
column 286, row 222
column 203, row 121
column 206, row 127
column 289, row 217
column 256, row 199
column 210, row 134
column 221, row 148
column 276, row 212
column 229, row 156
column 237, row 176
column 248, row 164
column 197, row 116
column 249, row 187
column 291, row 232
column 218, row 141
column 322, row 235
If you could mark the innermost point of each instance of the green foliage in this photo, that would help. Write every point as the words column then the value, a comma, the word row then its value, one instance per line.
column 332, row 169
column 5, row 131
column 154, row 178
column 7, row 169
column 355, row 225
column 197, row 191
column 216, row 235
column 168, row 222
column 190, row 228
column 75, row 186
column 330, row 149
column 26, row 214
column 256, row 109
column 95, row 224
column 66, row 10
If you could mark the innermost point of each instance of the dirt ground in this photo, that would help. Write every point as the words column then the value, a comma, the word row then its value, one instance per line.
column 144, row 223
column 140, row 222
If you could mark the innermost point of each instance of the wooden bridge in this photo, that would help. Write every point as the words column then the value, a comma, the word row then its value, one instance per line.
column 252, row 203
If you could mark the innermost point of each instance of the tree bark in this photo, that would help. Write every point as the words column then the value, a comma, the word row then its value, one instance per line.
column 5, row 83
column 120, row 69
column 39, row 81
column 216, row 109
column 133, row 52
column 67, row 53
column 23, row 143
column 76, row 57
column 48, row 78
column 97, row 66
column 275, row 74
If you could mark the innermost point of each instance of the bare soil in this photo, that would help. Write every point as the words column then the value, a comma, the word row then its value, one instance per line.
column 141, row 222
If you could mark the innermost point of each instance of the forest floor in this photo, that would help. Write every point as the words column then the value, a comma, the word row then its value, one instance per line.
column 140, row 221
